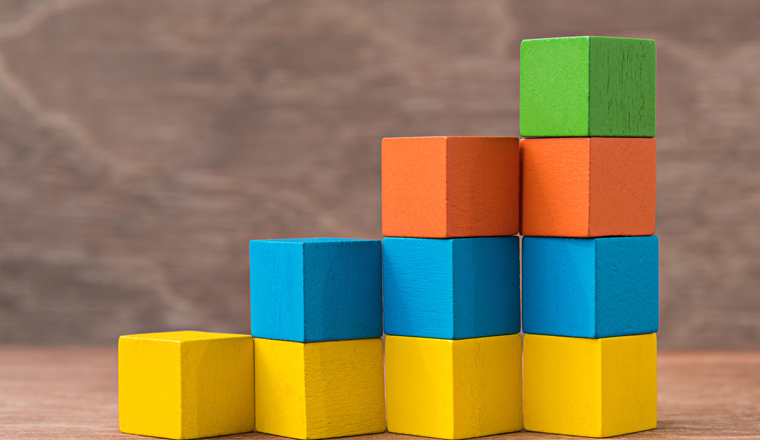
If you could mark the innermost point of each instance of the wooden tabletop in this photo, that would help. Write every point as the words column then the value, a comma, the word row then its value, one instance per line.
column 66, row 393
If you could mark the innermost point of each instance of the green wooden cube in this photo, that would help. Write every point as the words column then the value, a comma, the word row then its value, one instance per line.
column 587, row 86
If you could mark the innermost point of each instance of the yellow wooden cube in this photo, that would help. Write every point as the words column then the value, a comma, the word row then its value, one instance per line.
column 453, row 389
column 590, row 387
column 185, row 385
column 319, row 390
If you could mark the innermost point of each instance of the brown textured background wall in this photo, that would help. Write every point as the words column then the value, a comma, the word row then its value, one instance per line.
column 143, row 142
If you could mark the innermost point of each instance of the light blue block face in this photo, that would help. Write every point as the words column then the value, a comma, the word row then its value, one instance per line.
column 451, row 289
column 590, row 288
column 316, row 289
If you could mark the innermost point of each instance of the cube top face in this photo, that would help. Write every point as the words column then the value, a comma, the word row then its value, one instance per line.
column 590, row 387
column 588, row 187
column 590, row 288
column 451, row 289
column 318, row 289
column 450, row 186
column 454, row 389
column 184, row 336
column 587, row 86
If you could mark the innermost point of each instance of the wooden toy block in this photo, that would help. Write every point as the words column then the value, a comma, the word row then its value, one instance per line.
column 453, row 288
column 454, row 389
column 587, row 86
column 590, row 387
column 450, row 186
column 316, row 289
column 590, row 288
column 186, row 385
column 319, row 389
column 588, row 187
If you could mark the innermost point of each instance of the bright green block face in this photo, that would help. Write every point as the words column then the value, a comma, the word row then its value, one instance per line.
column 587, row 86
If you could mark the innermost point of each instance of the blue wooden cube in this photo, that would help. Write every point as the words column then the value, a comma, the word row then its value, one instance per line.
column 316, row 289
column 590, row 288
column 451, row 289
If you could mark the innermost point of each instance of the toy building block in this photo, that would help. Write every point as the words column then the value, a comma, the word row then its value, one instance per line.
column 587, row 86
column 590, row 387
column 450, row 186
column 588, row 187
column 454, row 389
column 451, row 289
column 316, row 289
column 186, row 385
column 319, row 389
column 590, row 288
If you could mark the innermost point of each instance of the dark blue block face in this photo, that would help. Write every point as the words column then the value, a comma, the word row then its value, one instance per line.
column 451, row 288
column 590, row 288
column 316, row 289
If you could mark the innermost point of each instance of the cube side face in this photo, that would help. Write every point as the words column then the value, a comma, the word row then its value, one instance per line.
column 629, row 384
column 627, row 286
column 486, row 286
column 563, row 385
column 420, row 386
column 623, row 186
column 342, row 290
column 483, row 186
column 622, row 83
column 280, row 387
column 217, row 387
column 345, row 392
column 414, row 187
column 555, row 187
column 149, row 387
column 554, row 87
column 418, row 287
column 487, row 386
column 277, row 289
column 559, row 286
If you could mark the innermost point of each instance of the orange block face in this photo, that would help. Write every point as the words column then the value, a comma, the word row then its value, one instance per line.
column 588, row 187
column 450, row 186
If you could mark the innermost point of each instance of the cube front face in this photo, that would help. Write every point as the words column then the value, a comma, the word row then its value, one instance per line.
column 590, row 387
column 454, row 389
column 185, row 385
column 451, row 289
column 316, row 289
column 439, row 187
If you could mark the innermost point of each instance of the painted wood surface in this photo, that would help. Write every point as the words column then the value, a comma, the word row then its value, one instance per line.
column 591, row 288
column 588, row 187
column 590, row 387
column 316, row 289
column 450, row 186
column 186, row 385
column 587, row 86
column 453, row 288
column 454, row 389
column 319, row 389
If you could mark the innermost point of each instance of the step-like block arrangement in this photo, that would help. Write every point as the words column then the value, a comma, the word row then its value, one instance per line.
column 451, row 288
column 590, row 387
column 587, row 86
column 319, row 389
column 450, row 186
column 454, row 389
column 316, row 289
column 590, row 288
column 588, row 187
column 183, row 385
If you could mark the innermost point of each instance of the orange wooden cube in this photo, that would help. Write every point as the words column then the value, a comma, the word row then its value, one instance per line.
column 588, row 187
column 450, row 186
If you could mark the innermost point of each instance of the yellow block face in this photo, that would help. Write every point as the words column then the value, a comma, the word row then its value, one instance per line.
column 319, row 389
column 454, row 389
column 590, row 387
column 185, row 385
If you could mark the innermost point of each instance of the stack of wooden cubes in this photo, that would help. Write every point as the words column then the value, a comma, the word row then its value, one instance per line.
column 589, row 257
